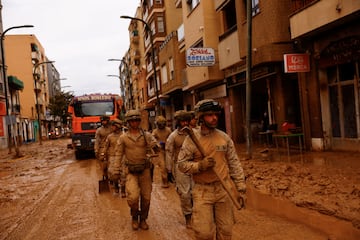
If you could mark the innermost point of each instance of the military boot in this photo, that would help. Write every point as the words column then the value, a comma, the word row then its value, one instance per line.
column 188, row 221
column 143, row 224
column 135, row 222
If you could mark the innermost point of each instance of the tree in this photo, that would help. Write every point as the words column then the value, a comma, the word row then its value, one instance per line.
column 59, row 104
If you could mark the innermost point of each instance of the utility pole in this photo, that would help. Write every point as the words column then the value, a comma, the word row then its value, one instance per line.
column 248, row 78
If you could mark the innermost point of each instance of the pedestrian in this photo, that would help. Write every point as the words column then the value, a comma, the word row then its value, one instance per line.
column 100, row 136
column 161, row 133
column 183, row 181
column 109, row 152
column 212, row 207
column 132, row 150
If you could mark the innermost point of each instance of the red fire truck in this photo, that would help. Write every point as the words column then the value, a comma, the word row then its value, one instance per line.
column 85, row 112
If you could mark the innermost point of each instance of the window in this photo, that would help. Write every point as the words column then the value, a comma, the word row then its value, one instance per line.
column 192, row 4
column 229, row 12
column 34, row 47
column 171, row 68
column 160, row 24
column 254, row 6
column 158, row 1
column 164, row 77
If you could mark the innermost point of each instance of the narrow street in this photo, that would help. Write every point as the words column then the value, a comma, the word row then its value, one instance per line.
column 47, row 194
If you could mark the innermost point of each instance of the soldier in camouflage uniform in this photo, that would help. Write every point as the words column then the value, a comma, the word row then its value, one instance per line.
column 100, row 137
column 212, row 206
column 109, row 151
column 183, row 181
column 132, row 156
column 161, row 133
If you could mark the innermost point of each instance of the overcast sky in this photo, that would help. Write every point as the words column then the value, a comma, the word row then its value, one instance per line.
column 79, row 35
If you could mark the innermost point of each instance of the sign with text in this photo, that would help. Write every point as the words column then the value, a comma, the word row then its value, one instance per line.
column 296, row 62
column 200, row 57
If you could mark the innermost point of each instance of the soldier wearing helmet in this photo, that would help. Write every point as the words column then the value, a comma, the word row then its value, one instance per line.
column 100, row 136
column 194, row 120
column 212, row 211
column 183, row 181
column 131, row 155
column 161, row 133
column 109, row 152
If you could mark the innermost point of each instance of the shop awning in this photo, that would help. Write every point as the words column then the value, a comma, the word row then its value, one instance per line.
column 15, row 83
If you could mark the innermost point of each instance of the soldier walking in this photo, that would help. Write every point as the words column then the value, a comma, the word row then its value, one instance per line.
column 213, row 208
column 100, row 136
column 109, row 152
column 161, row 133
column 132, row 154
column 183, row 181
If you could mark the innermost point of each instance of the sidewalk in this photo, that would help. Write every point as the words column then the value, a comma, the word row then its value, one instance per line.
column 328, row 158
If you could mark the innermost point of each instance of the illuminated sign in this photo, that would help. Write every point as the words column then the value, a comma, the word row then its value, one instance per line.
column 296, row 62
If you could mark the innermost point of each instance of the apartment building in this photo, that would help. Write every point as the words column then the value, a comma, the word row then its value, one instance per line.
column 329, row 32
column 157, row 19
column 26, row 60
column 321, row 100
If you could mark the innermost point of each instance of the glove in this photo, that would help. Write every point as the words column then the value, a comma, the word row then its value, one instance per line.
column 205, row 163
column 242, row 198
column 170, row 177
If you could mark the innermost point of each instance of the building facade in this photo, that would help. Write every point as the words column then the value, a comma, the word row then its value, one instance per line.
column 26, row 59
column 330, row 91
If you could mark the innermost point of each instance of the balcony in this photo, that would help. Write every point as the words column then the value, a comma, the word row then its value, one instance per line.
column 229, row 53
column 307, row 18
column 35, row 56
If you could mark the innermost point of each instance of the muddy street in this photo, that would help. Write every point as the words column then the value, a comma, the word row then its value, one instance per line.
column 47, row 194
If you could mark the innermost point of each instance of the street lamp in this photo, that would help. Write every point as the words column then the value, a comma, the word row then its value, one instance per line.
column 147, row 27
column 127, row 73
column 36, row 79
column 6, row 83
column 55, row 89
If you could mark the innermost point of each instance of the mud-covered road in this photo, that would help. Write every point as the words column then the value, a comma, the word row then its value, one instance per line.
column 47, row 194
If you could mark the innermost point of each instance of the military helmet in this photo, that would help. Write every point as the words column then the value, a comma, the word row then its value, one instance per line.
column 117, row 122
column 207, row 106
column 132, row 115
column 160, row 119
column 182, row 115
column 104, row 118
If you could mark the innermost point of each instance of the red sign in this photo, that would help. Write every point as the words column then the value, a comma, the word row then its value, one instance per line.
column 2, row 127
column 2, row 108
column 296, row 62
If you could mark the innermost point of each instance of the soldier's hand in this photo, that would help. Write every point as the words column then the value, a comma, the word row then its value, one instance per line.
column 205, row 163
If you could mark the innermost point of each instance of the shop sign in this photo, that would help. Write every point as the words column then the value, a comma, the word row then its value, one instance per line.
column 296, row 62
column 200, row 57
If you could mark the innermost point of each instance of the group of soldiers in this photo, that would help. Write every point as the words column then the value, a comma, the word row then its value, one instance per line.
column 127, row 159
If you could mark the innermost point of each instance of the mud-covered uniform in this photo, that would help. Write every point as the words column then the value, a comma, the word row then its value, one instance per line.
column 131, row 155
column 183, row 181
column 100, row 138
column 109, row 150
column 161, row 136
column 211, row 203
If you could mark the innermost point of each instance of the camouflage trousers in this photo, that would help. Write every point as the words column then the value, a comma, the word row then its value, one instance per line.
column 212, row 212
column 138, row 193
column 184, row 184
